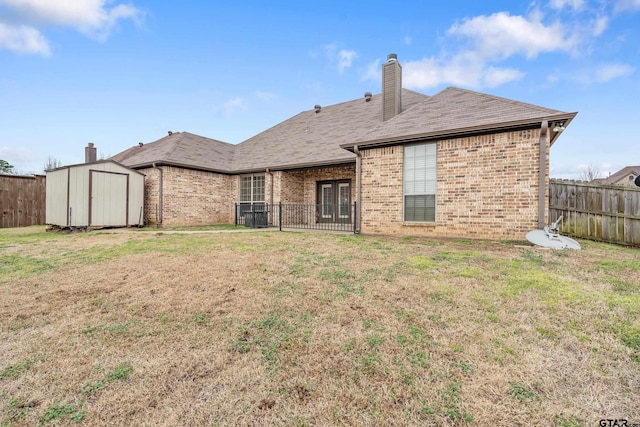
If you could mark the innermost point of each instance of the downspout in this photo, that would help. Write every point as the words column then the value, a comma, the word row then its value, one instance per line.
column 356, row 150
column 268, row 171
column 542, row 181
column 160, row 195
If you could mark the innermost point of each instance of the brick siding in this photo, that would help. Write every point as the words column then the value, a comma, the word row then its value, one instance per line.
column 300, row 186
column 487, row 187
column 189, row 197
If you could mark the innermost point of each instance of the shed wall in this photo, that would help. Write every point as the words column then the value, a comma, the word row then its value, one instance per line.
column 107, row 200
column 56, row 189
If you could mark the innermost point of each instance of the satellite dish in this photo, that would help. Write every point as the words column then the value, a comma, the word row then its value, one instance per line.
column 550, row 237
column 637, row 181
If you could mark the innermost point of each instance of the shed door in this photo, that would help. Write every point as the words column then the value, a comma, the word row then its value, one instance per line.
column 108, row 195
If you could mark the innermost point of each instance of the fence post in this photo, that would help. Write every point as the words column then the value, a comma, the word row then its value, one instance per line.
column 235, row 214
column 280, row 215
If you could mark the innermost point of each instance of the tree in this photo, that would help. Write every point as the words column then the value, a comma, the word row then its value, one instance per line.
column 5, row 167
column 590, row 172
column 52, row 163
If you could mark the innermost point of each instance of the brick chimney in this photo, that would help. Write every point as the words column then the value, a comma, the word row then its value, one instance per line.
column 90, row 153
column 391, row 87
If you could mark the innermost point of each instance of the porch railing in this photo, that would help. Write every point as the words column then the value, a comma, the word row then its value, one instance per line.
column 297, row 215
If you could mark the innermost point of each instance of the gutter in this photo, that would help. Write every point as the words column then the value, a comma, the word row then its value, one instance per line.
column 358, row 209
column 461, row 132
column 159, row 214
column 544, row 129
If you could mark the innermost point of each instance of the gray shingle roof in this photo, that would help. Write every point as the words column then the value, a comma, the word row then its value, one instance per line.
column 458, row 111
column 319, row 138
column 311, row 138
column 181, row 149
column 306, row 139
column 622, row 173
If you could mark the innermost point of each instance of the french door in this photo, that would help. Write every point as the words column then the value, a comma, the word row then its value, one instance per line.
column 334, row 201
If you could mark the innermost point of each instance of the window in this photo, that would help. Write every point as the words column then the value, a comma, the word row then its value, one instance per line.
column 251, row 191
column 419, row 178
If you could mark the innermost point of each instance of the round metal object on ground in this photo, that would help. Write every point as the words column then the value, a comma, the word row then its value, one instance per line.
column 546, row 240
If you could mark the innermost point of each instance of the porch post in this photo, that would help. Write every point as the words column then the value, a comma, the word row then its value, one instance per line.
column 280, row 215
column 542, row 181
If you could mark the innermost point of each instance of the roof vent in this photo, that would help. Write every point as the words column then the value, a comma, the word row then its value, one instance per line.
column 170, row 133
column 140, row 144
column 367, row 96
column 317, row 107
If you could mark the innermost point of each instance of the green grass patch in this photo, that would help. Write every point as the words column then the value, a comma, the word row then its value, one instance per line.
column 75, row 413
column 14, row 371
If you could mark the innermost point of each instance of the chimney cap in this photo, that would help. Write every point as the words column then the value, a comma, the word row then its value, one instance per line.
column 392, row 57
column 317, row 107
column 90, row 144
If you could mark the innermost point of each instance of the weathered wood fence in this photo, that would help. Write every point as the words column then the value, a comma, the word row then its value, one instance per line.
column 22, row 200
column 593, row 211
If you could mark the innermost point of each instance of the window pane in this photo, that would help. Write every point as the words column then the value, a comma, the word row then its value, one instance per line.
column 327, row 199
column 344, row 190
column 420, row 208
column 258, row 188
column 420, row 182
column 245, row 189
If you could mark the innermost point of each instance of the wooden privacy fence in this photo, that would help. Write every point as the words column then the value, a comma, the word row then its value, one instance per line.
column 22, row 200
column 593, row 211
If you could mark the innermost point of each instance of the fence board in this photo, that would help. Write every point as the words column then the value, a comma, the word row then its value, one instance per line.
column 599, row 212
column 22, row 200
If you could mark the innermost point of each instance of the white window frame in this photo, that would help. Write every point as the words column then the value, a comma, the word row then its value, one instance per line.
column 252, row 196
column 419, row 180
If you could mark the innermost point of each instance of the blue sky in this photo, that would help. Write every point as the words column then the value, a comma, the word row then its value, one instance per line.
column 118, row 73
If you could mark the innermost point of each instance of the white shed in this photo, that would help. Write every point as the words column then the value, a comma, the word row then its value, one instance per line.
column 98, row 194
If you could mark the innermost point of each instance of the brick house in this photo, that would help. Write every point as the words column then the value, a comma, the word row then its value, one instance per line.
column 458, row 163
column 626, row 176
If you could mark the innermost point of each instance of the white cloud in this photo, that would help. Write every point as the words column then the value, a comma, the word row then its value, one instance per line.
column 626, row 5
column 490, row 40
column 465, row 69
column 502, row 35
column 612, row 71
column 342, row 58
column 234, row 105
column 600, row 25
column 22, row 39
column 407, row 40
column 345, row 59
column 91, row 17
column 573, row 4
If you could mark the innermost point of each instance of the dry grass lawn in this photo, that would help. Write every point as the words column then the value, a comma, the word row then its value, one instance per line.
column 270, row 328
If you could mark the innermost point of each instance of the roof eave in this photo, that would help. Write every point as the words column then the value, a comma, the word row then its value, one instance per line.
column 294, row 166
column 465, row 131
column 179, row 165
